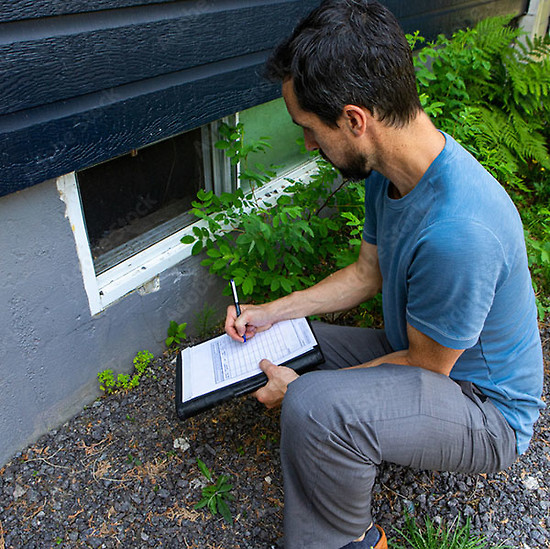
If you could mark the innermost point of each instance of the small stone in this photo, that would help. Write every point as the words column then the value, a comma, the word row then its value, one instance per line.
column 182, row 444
column 531, row 483
column 409, row 506
column 19, row 491
column 197, row 483
column 268, row 479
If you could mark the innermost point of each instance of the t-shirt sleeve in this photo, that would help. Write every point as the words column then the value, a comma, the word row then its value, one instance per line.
column 452, row 280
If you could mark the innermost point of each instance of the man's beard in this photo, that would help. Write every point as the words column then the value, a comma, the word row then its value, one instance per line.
column 354, row 167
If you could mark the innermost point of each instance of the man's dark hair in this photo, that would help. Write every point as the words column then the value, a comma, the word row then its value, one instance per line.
column 349, row 52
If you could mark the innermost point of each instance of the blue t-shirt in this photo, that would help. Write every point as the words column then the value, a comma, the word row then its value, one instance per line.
column 454, row 266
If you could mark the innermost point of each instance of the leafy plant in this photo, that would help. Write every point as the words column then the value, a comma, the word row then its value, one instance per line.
column 489, row 87
column 537, row 238
column 205, row 321
column 107, row 381
column 142, row 361
column 217, row 494
column 134, row 461
column 430, row 536
column 273, row 246
column 125, row 382
column 176, row 333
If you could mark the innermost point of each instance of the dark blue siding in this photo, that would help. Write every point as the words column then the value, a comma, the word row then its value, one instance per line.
column 83, row 81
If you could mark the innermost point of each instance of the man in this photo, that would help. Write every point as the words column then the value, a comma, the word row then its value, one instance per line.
column 454, row 382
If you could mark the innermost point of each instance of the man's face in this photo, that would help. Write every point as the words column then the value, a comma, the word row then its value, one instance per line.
column 333, row 144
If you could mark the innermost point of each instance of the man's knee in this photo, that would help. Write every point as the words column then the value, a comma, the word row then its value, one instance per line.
column 305, row 406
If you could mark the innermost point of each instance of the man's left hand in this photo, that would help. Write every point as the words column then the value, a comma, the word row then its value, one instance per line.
column 278, row 378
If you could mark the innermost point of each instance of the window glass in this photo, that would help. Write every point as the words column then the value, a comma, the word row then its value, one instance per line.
column 138, row 199
column 272, row 120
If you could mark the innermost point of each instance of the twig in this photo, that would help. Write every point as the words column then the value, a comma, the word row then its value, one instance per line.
column 45, row 460
column 344, row 182
column 394, row 492
column 51, row 464
column 2, row 543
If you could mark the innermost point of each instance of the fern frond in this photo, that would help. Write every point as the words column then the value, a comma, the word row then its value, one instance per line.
column 517, row 137
column 495, row 34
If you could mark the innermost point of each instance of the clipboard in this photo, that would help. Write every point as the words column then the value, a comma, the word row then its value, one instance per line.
column 185, row 409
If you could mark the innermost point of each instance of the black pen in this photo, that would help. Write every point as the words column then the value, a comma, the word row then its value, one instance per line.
column 236, row 301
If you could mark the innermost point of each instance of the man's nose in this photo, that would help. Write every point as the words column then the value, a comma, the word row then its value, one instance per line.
column 309, row 141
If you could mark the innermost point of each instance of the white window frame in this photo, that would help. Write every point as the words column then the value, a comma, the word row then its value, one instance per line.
column 131, row 274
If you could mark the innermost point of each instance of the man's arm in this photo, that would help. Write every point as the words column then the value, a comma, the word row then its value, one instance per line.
column 340, row 291
column 423, row 352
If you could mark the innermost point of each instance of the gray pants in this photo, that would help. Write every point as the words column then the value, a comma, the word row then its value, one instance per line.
column 337, row 426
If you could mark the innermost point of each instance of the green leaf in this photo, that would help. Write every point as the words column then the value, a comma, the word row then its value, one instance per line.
column 212, row 505
column 205, row 195
column 204, row 469
column 219, row 264
column 225, row 249
column 202, row 503
column 213, row 252
column 286, row 285
column 188, row 239
column 224, row 510
column 248, row 285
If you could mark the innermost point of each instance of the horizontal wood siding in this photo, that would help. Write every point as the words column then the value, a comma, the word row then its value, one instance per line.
column 83, row 56
column 433, row 17
column 18, row 10
column 84, row 81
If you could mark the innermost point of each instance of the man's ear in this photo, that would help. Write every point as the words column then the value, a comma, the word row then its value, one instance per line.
column 356, row 118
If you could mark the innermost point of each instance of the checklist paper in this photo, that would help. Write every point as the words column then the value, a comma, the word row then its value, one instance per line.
column 222, row 361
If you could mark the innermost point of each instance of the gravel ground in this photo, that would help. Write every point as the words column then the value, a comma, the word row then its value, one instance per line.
column 123, row 473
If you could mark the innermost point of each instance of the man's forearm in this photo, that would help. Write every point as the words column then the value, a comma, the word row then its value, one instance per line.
column 397, row 357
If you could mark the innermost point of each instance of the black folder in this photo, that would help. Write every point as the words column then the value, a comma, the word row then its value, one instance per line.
column 303, row 363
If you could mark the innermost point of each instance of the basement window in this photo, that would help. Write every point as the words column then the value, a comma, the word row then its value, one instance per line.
column 130, row 213
column 138, row 199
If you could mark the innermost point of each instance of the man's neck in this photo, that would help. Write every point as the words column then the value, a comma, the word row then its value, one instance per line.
column 405, row 154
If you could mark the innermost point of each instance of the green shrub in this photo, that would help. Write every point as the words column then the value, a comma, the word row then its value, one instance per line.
column 489, row 87
column 274, row 246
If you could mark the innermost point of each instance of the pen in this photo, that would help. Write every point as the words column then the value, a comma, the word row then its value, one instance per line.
column 236, row 301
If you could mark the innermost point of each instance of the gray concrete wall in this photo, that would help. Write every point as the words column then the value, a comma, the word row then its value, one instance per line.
column 51, row 348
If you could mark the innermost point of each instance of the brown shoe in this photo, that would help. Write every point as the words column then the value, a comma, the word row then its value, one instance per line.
column 383, row 541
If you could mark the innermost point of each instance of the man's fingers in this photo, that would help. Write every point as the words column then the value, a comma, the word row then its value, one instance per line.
column 266, row 366
column 235, row 326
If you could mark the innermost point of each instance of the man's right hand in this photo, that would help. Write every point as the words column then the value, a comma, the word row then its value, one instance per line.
column 253, row 319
